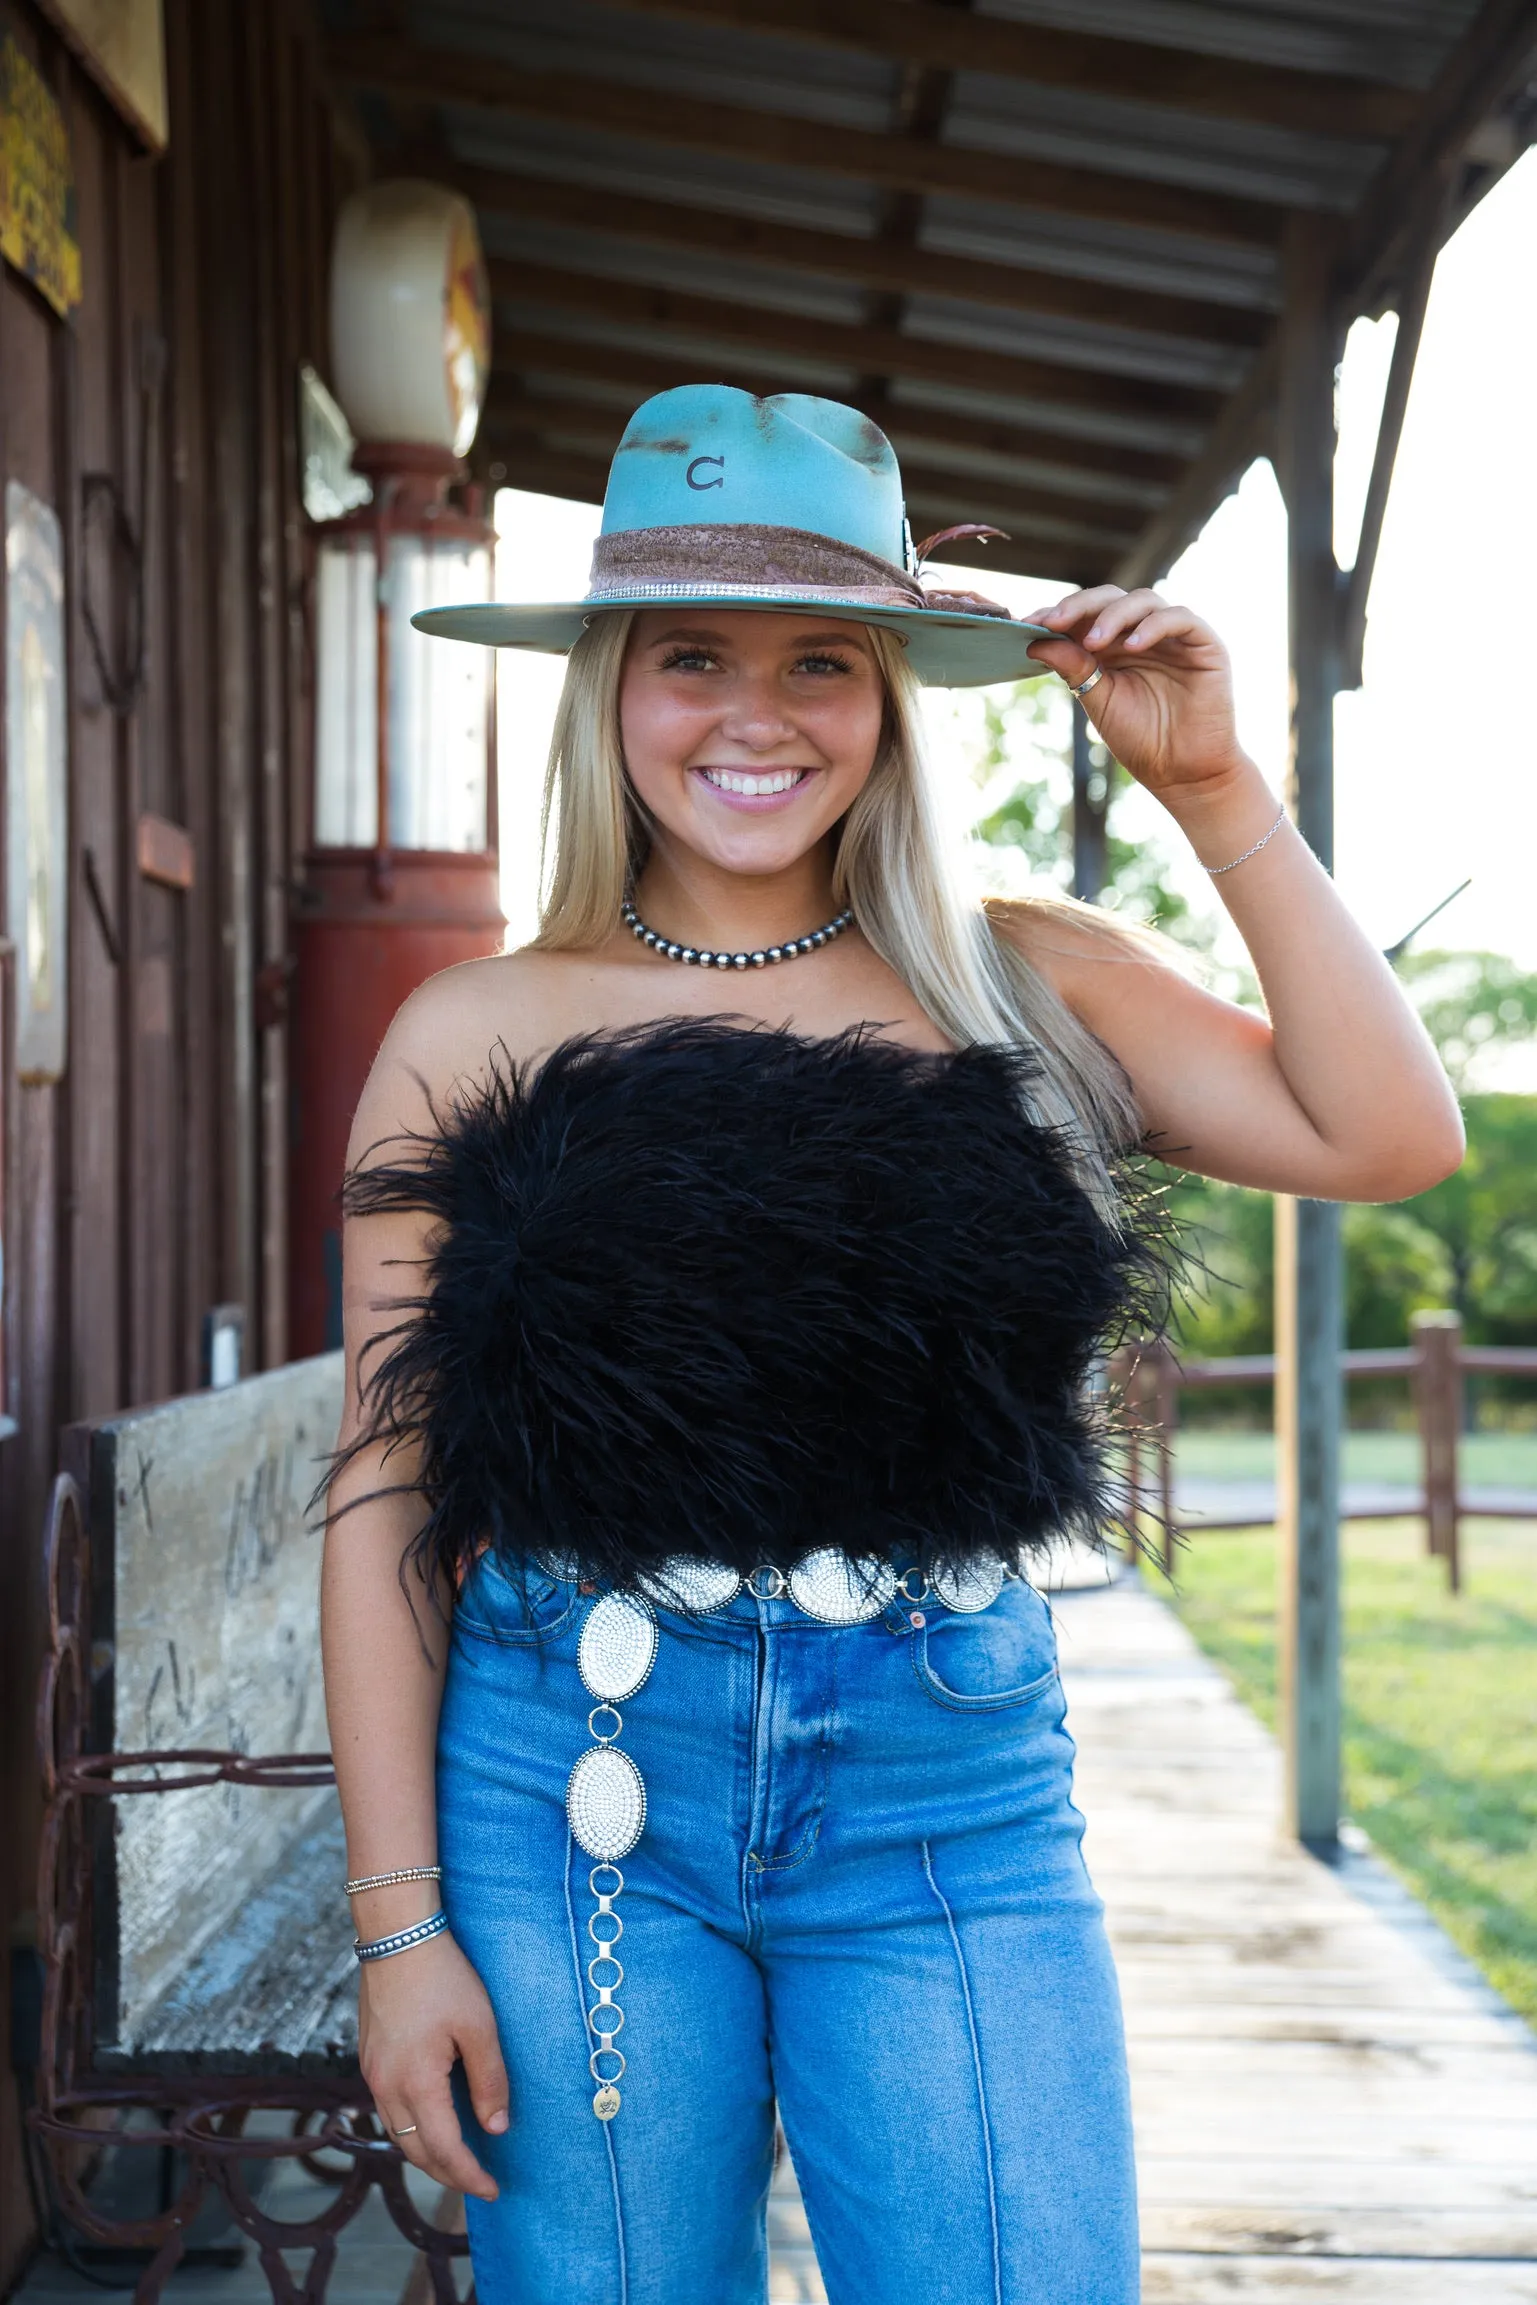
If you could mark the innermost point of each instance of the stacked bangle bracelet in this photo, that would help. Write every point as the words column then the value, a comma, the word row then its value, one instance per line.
column 403, row 1939
column 388, row 1880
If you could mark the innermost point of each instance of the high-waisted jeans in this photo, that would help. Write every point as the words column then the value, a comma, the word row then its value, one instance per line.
column 860, row 1893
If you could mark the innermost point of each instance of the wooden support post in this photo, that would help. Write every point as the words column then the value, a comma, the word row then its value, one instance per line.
column 1091, row 805
column 1309, row 1323
column 1438, row 1400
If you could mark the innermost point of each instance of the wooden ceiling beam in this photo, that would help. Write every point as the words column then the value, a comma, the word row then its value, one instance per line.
column 533, row 420
column 1140, row 71
column 641, row 373
column 414, row 74
column 878, row 351
column 878, row 264
column 1493, row 57
column 526, row 464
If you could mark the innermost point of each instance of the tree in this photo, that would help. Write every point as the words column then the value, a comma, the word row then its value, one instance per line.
column 1031, row 814
column 1476, row 1005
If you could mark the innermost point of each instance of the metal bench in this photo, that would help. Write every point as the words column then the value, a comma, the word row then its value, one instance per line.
column 196, row 1948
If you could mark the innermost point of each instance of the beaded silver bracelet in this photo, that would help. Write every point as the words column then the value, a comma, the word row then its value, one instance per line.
column 388, row 1880
column 403, row 1939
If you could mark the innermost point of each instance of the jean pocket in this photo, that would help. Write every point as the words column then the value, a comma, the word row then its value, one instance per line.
column 517, row 1603
column 997, row 1658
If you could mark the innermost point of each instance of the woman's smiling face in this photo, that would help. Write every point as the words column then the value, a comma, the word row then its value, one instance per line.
column 747, row 733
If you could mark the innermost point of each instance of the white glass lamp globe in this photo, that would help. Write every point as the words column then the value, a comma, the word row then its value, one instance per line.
column 410, row 315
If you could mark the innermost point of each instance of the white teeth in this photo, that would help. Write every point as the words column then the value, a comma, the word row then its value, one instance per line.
column 729, row 780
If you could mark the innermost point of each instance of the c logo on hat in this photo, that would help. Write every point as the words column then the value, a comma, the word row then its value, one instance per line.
column 694, row 467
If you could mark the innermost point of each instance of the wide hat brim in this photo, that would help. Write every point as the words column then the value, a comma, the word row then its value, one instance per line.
column 945, row 647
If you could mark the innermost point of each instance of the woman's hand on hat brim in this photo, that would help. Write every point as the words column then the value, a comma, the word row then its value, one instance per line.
column 1165, row 705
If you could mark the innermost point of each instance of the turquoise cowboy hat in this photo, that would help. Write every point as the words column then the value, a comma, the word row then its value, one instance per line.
column 717, row 499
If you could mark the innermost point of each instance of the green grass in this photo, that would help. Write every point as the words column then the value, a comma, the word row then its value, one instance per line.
column 1440, row 1712
column 1488, row 1460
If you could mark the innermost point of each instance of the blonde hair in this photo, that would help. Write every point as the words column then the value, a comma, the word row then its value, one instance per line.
column 892, row 866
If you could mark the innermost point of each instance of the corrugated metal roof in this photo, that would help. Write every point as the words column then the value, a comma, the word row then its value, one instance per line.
column 1245, row 159
column 786, row 202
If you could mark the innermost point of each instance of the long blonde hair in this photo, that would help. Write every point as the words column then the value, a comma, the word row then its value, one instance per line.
column 892, row 866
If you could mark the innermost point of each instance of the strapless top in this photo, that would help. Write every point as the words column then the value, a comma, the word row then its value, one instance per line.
column 710, row 1289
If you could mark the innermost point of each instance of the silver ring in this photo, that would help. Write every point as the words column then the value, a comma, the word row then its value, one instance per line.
column 408, row 2131
column 1093, row 681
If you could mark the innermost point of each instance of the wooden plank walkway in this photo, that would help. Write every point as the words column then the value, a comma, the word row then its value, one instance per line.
column 1330, row 2102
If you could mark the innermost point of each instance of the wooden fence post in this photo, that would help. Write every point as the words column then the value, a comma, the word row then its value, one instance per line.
column 1121, row 1374
column 1164, row 1386
column 1438, row 1401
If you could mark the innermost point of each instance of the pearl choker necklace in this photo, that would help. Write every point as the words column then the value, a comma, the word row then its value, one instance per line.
column 764, row 957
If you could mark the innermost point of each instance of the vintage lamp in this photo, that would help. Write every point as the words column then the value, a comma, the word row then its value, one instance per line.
column 400, row 875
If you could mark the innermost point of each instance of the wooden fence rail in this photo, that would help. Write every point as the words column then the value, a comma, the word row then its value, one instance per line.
column 1436, row 1363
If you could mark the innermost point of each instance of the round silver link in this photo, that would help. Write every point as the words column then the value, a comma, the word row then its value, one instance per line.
column 605, row 1736
column 776, row 1591
column 619, row 2058
column 904, row 1585
column 601, row 1961
column 605, row 1942
column 606, row 2009
column 592, row 1882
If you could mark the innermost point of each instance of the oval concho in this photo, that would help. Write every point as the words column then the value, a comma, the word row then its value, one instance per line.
column 828, row 1585
column 618, row 1646
column 976, row 1585
column 606, row 2101
column 694, row 1586
column 606, row 1803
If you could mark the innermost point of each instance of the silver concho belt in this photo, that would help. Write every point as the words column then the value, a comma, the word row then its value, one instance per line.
column 606, row 1793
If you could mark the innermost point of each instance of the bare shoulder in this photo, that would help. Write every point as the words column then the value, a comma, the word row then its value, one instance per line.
column 453, row 1029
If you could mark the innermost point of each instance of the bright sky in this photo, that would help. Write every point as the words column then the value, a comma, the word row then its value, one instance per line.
column 1434, row 783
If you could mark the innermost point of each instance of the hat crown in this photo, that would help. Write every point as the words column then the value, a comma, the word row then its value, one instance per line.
column 709, row 455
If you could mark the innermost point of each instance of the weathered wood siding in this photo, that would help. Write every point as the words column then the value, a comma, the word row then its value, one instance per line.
column 147, row 1186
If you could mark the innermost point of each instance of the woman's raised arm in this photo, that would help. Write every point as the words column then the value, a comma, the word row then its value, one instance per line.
column 1338, row 1093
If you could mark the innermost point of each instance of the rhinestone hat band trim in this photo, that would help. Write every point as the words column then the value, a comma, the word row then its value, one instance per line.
column 615, row 1652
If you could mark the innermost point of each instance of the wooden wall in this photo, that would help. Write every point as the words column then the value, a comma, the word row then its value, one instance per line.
column 148, row 1185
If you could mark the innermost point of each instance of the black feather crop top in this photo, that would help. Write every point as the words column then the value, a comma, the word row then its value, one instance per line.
column 720, row 1290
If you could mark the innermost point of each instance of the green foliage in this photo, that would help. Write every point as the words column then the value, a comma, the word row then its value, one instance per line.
column 1026, row 727
column 1473, row 1003
column 1483, row 1221
column 1470, row 1242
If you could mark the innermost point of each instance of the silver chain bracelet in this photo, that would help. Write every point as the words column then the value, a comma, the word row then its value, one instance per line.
column 1217, row 870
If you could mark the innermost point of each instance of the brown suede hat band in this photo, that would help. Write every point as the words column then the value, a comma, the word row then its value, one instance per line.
column 721, row 560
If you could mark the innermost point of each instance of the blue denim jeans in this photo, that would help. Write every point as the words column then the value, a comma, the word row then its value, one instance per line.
column 860, row 1892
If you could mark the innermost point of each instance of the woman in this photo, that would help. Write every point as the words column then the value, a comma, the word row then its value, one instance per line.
column 743, row 1330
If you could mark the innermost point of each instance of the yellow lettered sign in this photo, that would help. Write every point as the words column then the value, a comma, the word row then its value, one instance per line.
column 37, row 185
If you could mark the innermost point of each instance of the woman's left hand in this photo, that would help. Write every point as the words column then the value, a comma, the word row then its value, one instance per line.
column 1165, row 704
